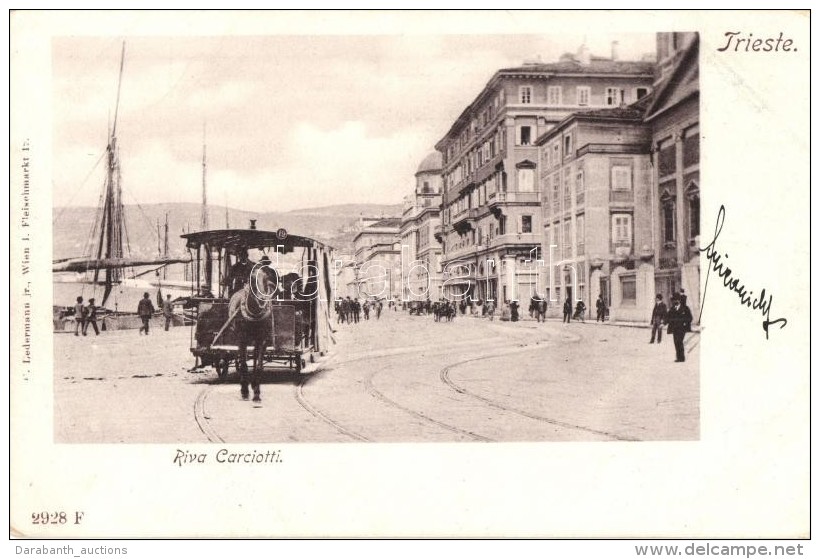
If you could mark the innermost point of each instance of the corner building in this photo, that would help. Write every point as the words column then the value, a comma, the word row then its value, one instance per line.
column 491, row 218
column 595, row 188
column 421, row 253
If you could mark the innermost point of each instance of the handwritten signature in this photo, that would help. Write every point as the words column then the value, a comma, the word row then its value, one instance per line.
column 761, row 303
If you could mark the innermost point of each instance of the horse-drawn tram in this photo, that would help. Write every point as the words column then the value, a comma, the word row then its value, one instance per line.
column 262, row 294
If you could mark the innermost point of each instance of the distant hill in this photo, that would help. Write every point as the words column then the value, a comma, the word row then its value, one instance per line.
column 333, row 225
column 372, row 210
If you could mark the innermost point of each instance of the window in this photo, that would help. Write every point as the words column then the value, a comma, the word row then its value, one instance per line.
column 526, row 180
column 524, row 138
column 579, row 233
column 554, row 95
column 567, row 252
column 526, row 224
column 621, row 177
column 614, row 96
column 556, row 191
column 579, row 185
column 694, row 216
column 526, row 94
column 691, row 147
column 582, row 93
column 669, row 221
column 622, row 229
column 556, row 153
column 568, row 145
column 567, row 187
column 666, row 159
column 641, row 92
column 628, row 290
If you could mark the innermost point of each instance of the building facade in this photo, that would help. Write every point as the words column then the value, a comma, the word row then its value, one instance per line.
column 620, row 192
column 673, row 114
column 595, row 182
column 420, row 251
column 491, row 217
column 377, row 257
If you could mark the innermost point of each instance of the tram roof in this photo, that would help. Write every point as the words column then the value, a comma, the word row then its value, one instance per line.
column 238, row 239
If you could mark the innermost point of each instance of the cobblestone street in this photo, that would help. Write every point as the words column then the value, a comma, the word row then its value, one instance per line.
column 398, row 379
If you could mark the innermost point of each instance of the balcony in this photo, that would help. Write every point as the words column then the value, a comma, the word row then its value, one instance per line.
column 515, row 239
column 440, row 232
column 463, row 220
column 621, row 196
column 515, row 198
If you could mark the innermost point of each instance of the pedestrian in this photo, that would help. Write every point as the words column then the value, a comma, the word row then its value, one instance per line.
column 514, row 311
column 79, row 317
column 658, row 318
column 168, row 311
column 683, row 298
column 600, row 309
column 567, row 310
column 580, row 311
column 679, row 318
column 378, row 310
column 357, row 309
column 366, row 309
column 491, row 309
column 145, row 309
column 540, row 309
column 91, row 317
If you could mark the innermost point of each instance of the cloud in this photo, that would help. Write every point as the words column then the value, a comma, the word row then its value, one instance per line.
column 292, row 121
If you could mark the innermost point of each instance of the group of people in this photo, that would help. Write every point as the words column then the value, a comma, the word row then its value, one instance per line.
column 677, row 319
column 580, row 309
column 145, row 310
column 349, row 311
column 85, row 316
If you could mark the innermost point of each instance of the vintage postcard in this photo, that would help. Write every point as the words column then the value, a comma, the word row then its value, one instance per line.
column 478, row 274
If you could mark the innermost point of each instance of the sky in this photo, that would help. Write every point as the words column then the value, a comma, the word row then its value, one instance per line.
column 290, row 121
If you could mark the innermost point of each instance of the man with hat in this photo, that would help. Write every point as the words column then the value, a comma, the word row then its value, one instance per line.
column 658, row 318
column 240, row 273
column 679, row 319
column 145, row 309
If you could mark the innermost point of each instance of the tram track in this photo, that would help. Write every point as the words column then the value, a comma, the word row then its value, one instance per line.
column 444, row 375
column 202, row 418
column 524, row 343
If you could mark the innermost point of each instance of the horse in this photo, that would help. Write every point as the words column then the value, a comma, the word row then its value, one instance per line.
column 250, row 310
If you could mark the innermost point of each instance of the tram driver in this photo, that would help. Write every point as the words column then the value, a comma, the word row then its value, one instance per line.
column 240, row 272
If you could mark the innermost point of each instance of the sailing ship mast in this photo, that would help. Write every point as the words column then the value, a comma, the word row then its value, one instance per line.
column 111, row 226
column 204, row 218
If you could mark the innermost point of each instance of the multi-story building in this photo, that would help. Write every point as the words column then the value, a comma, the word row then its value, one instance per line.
column 673, row 114
column 420, row 252
column 377, row 257
column 621, row 197
column 595, row 179
column 491, row 230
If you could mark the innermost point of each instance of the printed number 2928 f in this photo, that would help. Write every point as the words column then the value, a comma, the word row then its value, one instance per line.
column 48, row 518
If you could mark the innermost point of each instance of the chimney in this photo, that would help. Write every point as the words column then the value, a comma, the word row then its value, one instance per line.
column 614, row 50
column 583, row 54
column 253, row 224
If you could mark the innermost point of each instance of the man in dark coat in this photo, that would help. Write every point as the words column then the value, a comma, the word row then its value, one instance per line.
column 145, row 309
column 240, row 273
column 679, row 318
column 658, row 318
column 567, row 310
column 600, row 309
column 91, row 318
